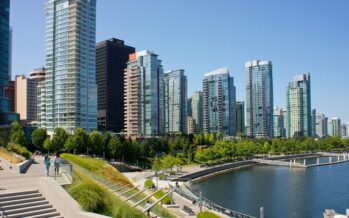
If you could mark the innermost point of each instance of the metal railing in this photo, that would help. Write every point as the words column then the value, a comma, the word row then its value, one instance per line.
column 192, row 196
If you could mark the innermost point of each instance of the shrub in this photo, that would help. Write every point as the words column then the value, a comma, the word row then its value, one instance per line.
column 89, row 196
column 20, row 150
column 207, row 214
column 166, row 200
column 148, row 183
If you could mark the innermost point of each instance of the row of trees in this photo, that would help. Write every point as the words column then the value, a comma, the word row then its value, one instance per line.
column 246, row 148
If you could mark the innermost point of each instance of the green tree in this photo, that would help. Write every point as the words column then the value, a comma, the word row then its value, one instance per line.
column 38, row 138
column 81, row 139
column 96, row 142
column 17, row 134
column 115, row 147
column 70, row 144
column 58, row 139
column 48, row 145
column 106, row 138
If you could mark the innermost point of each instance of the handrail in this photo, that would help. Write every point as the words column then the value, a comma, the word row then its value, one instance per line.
column 211, row 205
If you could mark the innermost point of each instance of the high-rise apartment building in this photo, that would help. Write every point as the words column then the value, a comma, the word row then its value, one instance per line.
column 259, row 99
column 71, row 90
column 240, row 118
column 26, row 96
column 196, row 111
column 334, row 127
column 347, row 132
column 111, row 58
column 299, row 113
column 175, row 101
column 6, row 115
column 321, row 125
column 38, row 77
column 144, row 95
column 279, row 125
column 313, row 123
column 219, row 102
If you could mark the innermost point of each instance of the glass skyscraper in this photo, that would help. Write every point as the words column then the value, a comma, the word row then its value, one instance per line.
column 6, row 116
column 259, row 99
column 299, row 114
column 334, row 127
column 219, row 99
column 144, row 95
column 240, row 118
column 70, row 92
column 279, row 129
column 175, row 85
column 196, row 111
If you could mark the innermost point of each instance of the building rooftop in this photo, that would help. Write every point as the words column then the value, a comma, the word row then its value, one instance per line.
column 254, row 63
column 219, row 71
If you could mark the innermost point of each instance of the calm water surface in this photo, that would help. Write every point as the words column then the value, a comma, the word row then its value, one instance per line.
column 282, row 191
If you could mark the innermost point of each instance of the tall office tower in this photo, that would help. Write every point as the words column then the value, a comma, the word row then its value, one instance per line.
column 299, row 106
column 240, row 118
column 219, row 102
column 313, row 123
column 279, row 126
column 175, row 102
column 10, row 55
column 344, row 130
column 285, row 120
column 111, row 58
column 197, row 111
column 189, row 109
column 10, row 95
column 6, row 116
column 321, row 125
column 334, row 127
column 71, row 90
column 144, row 95
column 259, row 99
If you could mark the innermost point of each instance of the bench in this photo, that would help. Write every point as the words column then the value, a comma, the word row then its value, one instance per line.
column 187, row 210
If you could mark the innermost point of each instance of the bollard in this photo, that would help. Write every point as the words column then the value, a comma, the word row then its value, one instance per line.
column 330, row 160
column 318, row 161
column 305, row 162
column 261, row 212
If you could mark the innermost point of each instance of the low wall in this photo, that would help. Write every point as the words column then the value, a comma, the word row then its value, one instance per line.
column 20, row 167
column 62, row 201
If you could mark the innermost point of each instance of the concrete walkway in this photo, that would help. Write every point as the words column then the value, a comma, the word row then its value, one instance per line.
column 11, row 181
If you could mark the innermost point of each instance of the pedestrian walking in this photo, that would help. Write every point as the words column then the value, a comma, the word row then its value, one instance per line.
column 57, row 164
column 147, row 205
column 47, row 163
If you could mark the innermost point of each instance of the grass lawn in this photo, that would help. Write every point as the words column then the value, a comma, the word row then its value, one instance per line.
column 86, row 191
column 7, row 156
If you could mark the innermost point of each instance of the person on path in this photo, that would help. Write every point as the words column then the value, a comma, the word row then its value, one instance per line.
column 47, row 163
column 147, row 205
column 57, row 163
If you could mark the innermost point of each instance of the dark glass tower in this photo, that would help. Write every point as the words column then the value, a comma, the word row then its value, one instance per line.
column 6, row 117
column 111, row 61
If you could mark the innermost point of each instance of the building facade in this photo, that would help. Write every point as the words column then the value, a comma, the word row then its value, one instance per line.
column 144, row 95
column 344, row 130
column 240, row 118
column 10, row 95
column 299, row 115
column 219, row 102
column 279, row 124
column 321, row 125
column 175, row 102
column 71, row 90
column 111, row 58
column 334, row 127
column 197, row 112
column 25, row 99
column 6, row 115
column 259, row 99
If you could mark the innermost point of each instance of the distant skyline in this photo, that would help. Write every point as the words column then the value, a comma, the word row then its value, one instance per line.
column 200, row 36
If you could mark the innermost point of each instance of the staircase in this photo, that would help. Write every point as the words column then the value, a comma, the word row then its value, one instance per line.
column 26, row 204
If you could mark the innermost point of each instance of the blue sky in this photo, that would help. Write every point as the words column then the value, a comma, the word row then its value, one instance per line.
column 201, row 35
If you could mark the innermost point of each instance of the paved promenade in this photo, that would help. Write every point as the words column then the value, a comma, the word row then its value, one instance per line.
column 11, row 181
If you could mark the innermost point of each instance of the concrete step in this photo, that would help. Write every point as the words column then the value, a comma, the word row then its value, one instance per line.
column 17, row 197
column 21, row 201
column 28, row 209
column 48, row 215
column 25, row 204
column 31, row 213
column 17, row 193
